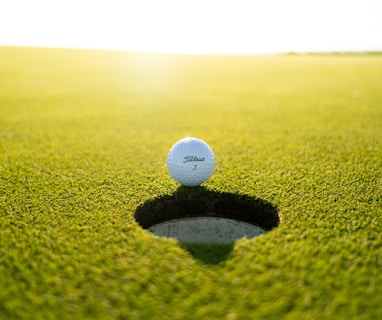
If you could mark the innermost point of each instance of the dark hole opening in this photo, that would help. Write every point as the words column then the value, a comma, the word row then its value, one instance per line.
column 200, row 202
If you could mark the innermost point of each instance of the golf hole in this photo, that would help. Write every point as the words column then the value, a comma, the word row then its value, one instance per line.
column 198, row 215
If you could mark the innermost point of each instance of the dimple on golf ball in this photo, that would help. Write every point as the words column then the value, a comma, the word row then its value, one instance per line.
column 190, row 162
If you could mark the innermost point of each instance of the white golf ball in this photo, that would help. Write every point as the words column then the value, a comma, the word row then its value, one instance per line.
column 190, row 162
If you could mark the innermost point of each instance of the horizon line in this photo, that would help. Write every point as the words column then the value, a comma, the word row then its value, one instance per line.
column 216, row 53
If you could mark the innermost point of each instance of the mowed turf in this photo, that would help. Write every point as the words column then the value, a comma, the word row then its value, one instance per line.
column 84, row 137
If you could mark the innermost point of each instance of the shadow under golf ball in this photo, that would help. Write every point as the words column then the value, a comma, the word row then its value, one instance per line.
column 198, row 215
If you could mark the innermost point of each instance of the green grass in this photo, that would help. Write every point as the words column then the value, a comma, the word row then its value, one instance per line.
column 84, row 137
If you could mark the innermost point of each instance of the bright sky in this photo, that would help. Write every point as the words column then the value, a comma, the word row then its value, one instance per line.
column 194, row 26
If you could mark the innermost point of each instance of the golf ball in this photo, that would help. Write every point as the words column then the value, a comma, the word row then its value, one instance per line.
column 190, row 162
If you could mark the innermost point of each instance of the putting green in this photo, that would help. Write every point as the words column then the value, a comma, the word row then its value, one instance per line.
column 83, row 143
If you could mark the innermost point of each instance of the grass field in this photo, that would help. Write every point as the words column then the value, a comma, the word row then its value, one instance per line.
column 84, row 137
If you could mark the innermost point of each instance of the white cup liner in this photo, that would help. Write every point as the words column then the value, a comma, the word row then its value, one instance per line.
column 206, row 230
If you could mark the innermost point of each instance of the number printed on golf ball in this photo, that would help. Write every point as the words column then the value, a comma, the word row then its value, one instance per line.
column 190, row 162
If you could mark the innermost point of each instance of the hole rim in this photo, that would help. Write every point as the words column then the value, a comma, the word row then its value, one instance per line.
column 201, row 202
